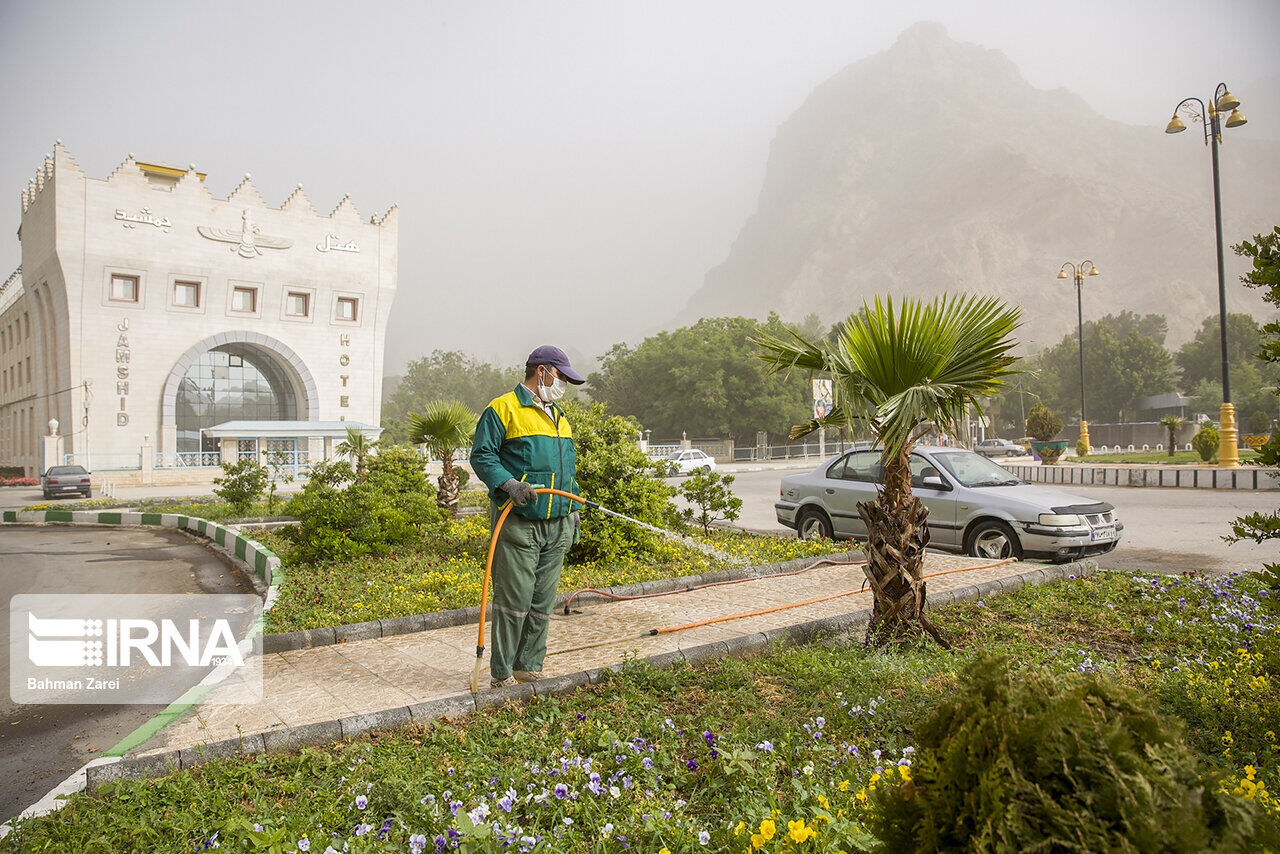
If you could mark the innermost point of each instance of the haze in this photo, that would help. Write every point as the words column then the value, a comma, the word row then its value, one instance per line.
column 566, row 172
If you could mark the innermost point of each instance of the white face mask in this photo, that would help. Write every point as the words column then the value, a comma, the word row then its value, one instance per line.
column 552, row 392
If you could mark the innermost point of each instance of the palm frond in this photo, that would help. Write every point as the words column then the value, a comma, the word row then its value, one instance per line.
column 444, row 426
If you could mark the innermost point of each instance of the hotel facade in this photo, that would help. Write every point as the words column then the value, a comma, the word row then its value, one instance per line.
column 166, row 330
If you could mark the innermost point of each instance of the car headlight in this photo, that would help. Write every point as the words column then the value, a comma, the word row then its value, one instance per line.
column 1060, row 520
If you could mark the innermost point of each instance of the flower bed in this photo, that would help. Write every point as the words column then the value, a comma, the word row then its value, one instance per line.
column 780, row 753
column 446, row 569
column 19, row 481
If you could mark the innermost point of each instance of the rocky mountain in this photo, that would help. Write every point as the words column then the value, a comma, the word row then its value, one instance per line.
column 934, row 166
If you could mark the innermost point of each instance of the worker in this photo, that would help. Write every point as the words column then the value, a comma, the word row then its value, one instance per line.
column 523, row 441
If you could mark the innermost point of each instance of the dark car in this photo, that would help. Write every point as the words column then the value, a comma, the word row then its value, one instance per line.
column 61, row 480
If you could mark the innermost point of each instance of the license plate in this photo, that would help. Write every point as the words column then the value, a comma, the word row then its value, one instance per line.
column 1104, row 534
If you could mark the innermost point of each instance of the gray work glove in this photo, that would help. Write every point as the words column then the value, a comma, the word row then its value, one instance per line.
column 521, row 493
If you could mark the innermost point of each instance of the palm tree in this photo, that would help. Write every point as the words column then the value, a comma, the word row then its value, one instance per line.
column 357, row 446
column 445, row 428
column 903, row 371
column 1171, row 423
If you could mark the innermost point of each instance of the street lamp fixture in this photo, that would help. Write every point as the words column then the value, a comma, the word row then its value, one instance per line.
column 1078, row 272
column 1194, row 109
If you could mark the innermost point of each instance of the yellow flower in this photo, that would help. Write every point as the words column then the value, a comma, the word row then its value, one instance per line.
column 844, row 785
column 768, row 829
column 737, row 831
column 757, row 841
column 798, row 832
column 665, row 850
column 905, row 772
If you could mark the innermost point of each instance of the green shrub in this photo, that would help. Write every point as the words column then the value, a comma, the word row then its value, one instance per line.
column 712, row 495
column 1082, row 448
column 1205, row 442
column 1030, row 761
column 344, row 519
column 1259, row 422
column 613, row 471
column 12, row 471
column 242, row 484
column 1042, row 424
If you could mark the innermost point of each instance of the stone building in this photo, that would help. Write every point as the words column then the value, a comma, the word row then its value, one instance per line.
column 147, row 312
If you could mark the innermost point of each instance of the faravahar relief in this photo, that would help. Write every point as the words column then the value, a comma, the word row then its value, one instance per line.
column 250, row 241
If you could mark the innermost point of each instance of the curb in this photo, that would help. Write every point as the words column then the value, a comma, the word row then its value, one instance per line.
column 1184, row 477
column 825, row 630
column 307, row 638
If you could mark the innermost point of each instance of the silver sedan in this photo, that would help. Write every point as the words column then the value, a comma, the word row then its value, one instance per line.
column 975, row 506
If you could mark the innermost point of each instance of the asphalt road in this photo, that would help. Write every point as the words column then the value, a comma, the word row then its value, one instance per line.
column 1166, row 530
column 41, row 744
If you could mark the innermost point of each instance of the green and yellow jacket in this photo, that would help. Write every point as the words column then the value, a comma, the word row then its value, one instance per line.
column 515, row 437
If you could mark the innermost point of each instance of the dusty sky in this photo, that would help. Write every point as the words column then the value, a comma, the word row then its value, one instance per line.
column 566, row 172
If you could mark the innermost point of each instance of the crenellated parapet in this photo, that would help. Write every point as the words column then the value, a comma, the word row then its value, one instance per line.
column 132, row 172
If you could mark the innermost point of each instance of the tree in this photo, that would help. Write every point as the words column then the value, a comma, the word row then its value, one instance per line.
column 442, row 375
column 1172, row 423
column 712, row 494
column 445, row 427
column 1125, row 360
column 904, row 370
column 1265, row 275
column 1200, row 362
column 702, row 380
column 357, row 446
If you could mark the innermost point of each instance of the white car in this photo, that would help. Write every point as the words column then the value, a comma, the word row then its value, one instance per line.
column 687, row 462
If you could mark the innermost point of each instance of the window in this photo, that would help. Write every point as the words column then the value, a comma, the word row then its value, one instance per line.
column 28, row 369
column 863, row 466
column 124, row 288
column 186, row 294
column 297, row 304
column 244, row 299
column 348, row 308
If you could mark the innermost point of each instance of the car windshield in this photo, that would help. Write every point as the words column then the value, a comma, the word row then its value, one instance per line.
column 65, row 470
column 974, row 470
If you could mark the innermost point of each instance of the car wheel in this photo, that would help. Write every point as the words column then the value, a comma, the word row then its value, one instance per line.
column 994, row 540
column 813, row 524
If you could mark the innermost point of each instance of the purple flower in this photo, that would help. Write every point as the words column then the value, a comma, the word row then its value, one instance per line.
column 581, row 716
column 304, row 844
column 440, row 844
column 362, row 829
column 709, row 737
column 647, row 763
column 692, row 765
column 417, row 843
column 704, row 838
column 562, row 791
column 766, row 746
column 361, row 802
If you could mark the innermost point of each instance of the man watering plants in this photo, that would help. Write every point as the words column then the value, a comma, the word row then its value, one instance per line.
column 523, row 441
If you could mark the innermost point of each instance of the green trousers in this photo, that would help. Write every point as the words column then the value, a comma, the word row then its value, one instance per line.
column 526, row 571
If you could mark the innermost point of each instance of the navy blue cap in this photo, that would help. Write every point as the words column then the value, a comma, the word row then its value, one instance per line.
column 554, row 356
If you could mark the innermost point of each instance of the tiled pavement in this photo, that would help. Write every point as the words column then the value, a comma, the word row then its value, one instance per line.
column 327, row 683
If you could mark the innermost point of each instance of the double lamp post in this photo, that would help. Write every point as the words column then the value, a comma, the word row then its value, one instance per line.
column 1078, row 272
column 1223, row 100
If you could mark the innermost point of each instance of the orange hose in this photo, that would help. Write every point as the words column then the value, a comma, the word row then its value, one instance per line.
column 493, row 544
column 812, row 601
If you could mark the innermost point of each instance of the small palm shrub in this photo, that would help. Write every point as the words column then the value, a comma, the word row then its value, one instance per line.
column 1082, row 448
column 1205, row 442
column 1031, row 761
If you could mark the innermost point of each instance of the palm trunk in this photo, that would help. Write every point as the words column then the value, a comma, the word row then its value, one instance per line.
column 897, row 535
column 447, row 494
column 1173, row 439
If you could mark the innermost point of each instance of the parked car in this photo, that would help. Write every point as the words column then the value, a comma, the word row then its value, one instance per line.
column 975, row 506
column 60, row 480
column 1000, row 448
column 687, row 462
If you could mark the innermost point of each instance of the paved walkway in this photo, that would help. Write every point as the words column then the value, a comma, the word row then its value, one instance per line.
column 328, row 683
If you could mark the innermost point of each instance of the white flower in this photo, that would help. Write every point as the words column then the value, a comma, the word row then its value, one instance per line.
column 615, row 792
column 704, row 838
column 607, row 830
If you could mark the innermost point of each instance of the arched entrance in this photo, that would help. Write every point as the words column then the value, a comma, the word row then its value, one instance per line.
column 233, row 376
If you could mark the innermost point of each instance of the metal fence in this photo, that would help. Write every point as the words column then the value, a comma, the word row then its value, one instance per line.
column 188, row 460
column 782, row 452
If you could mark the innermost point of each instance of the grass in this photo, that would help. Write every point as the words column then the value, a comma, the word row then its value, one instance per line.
column 212, row 509
column 445, row 571
column 1179, row 458
column 782, row 745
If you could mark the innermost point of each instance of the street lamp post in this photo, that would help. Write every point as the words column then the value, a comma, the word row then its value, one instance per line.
column 1078, row 272
column 1228, row 447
